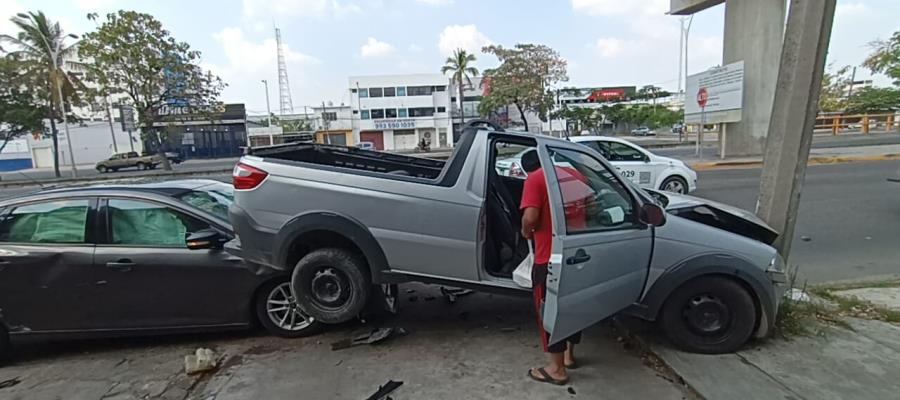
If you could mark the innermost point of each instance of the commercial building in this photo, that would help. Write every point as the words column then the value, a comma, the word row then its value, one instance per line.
column 92, row 141
column 397, row 112
column 218, row 131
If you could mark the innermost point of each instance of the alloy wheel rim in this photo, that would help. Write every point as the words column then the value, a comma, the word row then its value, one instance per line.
column 674, row 186
column 283, row 311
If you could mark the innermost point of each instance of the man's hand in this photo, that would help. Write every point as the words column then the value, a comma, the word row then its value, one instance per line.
column 530, row 218
column 527, row 234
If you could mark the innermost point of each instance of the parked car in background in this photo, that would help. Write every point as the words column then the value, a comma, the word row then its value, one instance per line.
column 132, row 259
column 648, row 170
column 174, row 158
column 346, row 221
column 365, row 145
column 642, row 131
column 128, row 160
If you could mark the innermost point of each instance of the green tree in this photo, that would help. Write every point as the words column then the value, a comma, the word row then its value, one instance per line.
column 584, row 118
column 41, row 43
column 874, row 100
column 22, row 105
column 523, row 79
column 460, row 66
column 832, row 96
column 885, row 58
column 131, row 53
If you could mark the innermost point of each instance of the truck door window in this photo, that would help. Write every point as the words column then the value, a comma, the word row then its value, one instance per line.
column 593, row 197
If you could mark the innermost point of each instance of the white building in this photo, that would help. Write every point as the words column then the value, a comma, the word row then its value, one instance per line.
column 395, row 112
column 91, row 142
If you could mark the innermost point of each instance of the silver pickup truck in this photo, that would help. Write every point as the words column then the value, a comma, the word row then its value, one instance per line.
column 353, row 223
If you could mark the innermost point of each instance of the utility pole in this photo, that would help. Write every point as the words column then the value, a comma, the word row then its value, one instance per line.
column 62, row 106
column 852, row 80
column 680, row 52
column 112, row 130
column 685, row 32
column 268, row 110
column 793, row 115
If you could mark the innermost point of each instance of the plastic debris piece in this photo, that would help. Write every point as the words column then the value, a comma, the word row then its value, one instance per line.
column 384, row 390
column 372, row 337
column 201, row 361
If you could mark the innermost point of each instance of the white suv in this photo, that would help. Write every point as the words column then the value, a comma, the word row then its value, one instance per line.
column 648, row 170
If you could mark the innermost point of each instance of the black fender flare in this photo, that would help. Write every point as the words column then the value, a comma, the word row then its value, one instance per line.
column 752, row 276
column 343, row 225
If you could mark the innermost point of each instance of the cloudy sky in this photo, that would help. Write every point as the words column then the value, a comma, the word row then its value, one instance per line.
column 606, row 42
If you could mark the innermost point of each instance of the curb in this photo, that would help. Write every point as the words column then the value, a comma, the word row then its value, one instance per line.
column 62, row 181
column 817, row 160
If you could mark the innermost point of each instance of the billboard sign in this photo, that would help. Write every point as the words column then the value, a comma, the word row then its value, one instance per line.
column 718, row 93
column 127, row 114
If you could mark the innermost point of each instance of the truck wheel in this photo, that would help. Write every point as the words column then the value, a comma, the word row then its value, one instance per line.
column 102, row 169
column 141, row 166
column 331, row 285
column 710, row 315
column 674, row 184
column 278, row 312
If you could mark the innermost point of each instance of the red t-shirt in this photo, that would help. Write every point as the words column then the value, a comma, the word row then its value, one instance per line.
column 534, row 195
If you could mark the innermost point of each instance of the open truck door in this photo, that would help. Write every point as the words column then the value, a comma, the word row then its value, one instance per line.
column 601, row 247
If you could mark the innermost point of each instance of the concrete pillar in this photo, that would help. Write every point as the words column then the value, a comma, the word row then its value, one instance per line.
column 753, row 33
column 794, row 116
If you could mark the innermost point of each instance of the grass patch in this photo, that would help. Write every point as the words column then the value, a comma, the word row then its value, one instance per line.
column 832, row 287
column 804, row 317
column 858, row 308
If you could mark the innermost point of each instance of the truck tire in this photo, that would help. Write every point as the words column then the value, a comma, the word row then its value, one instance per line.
column 141, row 166
column 102, row 169
column 709, row 315
column 275, row 307
column 331, row 285
column 5, row 346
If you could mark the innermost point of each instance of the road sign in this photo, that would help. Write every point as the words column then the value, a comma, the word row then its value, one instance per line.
column 724, row 92
column 127, row 114
column 702, row 97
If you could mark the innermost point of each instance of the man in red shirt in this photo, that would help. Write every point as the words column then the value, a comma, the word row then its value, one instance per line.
column 537, row 225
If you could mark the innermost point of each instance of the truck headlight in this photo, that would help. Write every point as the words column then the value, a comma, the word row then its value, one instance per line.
column 776, row 265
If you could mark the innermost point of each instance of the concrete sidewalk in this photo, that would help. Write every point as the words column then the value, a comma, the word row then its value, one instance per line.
column 816, row 156
column 858, row 361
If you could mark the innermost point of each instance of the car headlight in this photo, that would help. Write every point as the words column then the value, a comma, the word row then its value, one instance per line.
column 776, row 265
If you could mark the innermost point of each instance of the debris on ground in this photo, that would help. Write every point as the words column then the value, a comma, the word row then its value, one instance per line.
column 338, row 363
column 410, row 291
column 805, row 238
column 384, row 390
column 10, row 383
column 201, row 361
column 571, row 390
column 798, row 295
column 452, row 294
column 372, row 337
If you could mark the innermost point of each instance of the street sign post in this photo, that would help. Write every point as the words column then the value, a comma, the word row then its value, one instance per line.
column 702, row 99
column 127, row 114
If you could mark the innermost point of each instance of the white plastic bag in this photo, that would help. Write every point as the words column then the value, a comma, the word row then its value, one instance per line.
column 522, row 273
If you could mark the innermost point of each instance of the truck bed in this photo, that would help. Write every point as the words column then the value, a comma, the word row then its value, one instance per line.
column 353, row 159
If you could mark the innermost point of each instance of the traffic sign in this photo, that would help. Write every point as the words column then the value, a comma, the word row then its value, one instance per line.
column 702, row 97
column 127, row 115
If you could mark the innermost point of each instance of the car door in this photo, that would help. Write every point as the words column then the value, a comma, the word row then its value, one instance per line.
column 601, row 251
column 152, row 280
column 632, row 162
column 46, row 258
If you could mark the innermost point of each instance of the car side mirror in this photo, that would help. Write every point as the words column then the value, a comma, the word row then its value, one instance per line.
column 204, row 239
column 652, row 214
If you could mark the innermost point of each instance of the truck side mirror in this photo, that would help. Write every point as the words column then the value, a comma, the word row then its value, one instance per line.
column 652, row 214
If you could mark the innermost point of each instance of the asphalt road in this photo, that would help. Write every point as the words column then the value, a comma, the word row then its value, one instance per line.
column 711, row 150
column 86, row 171
column 849, row 213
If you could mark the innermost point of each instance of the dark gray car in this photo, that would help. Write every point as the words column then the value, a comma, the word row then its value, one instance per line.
column 132, row 259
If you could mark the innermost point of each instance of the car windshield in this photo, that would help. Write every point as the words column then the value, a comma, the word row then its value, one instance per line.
column 214, row 198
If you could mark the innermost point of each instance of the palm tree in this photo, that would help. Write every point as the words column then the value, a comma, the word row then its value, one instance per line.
column 43, row 43
column 460, row 64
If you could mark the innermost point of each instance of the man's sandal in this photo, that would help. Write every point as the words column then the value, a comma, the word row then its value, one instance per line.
column 546, row 378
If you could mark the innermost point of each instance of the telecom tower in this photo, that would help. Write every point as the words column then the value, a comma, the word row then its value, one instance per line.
column 284, row 88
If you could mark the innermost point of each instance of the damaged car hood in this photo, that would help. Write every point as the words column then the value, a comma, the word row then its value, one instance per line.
column 712, row 213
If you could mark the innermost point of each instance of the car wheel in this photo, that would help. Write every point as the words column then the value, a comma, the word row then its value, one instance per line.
column 278, row 312
column 141, row 166
column 675, row 184
column 710, row 315
column 102, row 169
column 331, row 285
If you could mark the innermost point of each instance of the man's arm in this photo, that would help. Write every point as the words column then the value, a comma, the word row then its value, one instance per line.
column 530, row 218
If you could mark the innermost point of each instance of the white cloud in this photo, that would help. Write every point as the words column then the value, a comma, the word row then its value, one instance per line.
column 610, row 47
column 619, row 7
column 95, row 5
column 299, row 8
column 435, row 2
column 375, row 48
column 465, row 37
column 415, row 48
column 10, row 9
